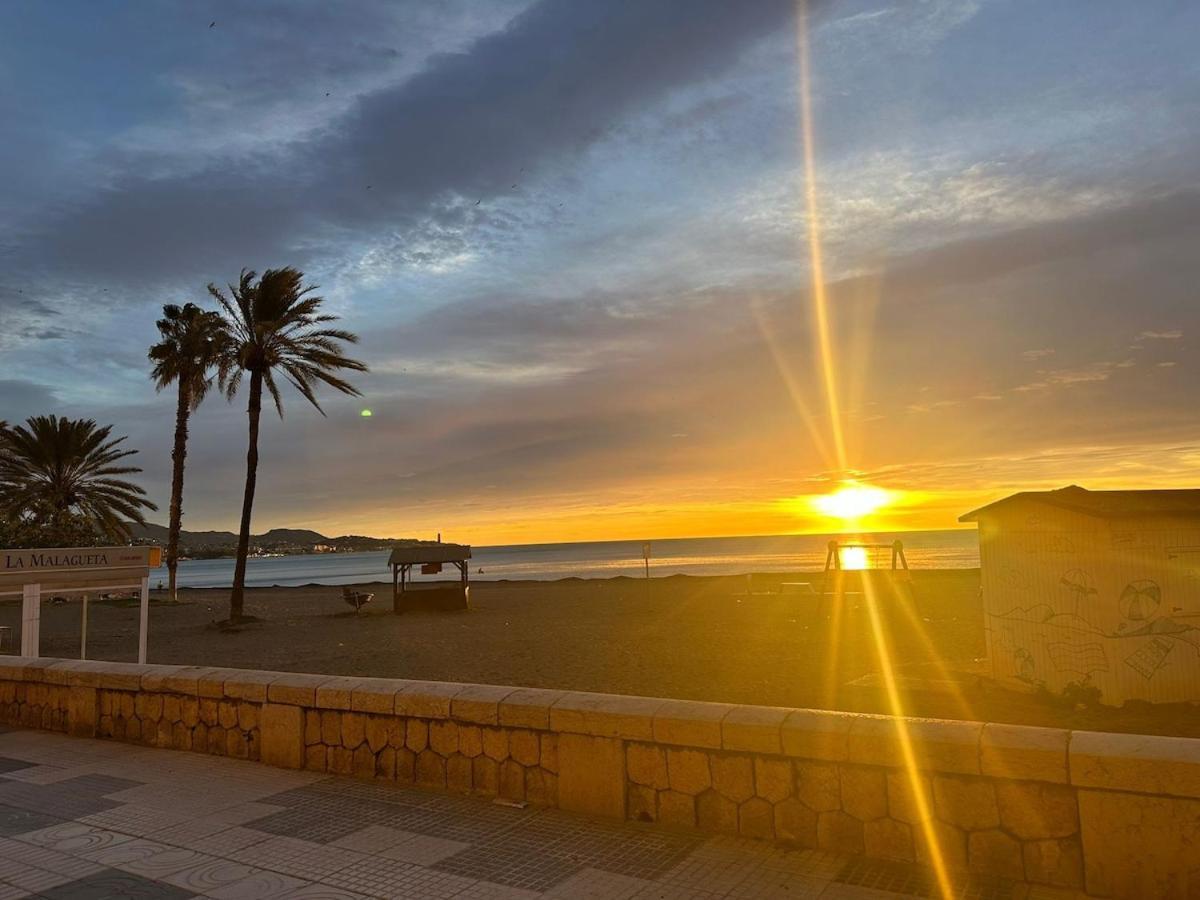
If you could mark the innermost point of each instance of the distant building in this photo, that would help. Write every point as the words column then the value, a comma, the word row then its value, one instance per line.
column 1100, row 588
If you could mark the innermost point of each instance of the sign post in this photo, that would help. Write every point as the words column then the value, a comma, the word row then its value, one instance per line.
column 73, row 569
column 646, row 556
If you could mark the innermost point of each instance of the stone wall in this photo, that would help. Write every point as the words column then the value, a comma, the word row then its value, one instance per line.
column 1117, row 815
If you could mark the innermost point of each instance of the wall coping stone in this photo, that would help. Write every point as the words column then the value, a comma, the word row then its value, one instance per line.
column 1144, row 763
column 1148, row 764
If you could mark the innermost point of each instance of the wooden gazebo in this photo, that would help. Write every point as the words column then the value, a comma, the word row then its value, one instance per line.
column 431, row 556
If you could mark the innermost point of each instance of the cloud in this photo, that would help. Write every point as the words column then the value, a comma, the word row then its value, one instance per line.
column 1159, row 335
column 474, row 123
column 1037, row 354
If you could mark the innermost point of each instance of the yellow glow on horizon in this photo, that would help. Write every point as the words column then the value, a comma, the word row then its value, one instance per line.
column 852, row 502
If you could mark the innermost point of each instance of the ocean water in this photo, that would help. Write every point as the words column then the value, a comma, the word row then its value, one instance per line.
column 594, row 559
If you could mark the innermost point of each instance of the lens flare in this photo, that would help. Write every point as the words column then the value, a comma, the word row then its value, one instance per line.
column 852, row 502
column 854, row 558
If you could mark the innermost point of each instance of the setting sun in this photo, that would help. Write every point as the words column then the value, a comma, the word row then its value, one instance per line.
column 852, row 501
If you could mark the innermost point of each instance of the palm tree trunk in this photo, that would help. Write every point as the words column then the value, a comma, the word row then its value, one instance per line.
column 178, row 455
column 236, row 598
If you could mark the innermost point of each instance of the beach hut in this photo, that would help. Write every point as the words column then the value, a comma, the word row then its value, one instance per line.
column 1094, row 589
column 431, row 557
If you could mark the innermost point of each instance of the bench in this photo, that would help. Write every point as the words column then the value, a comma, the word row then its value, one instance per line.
column 357, row 599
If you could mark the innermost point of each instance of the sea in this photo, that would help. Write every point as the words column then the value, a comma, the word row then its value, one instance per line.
column 958, row 549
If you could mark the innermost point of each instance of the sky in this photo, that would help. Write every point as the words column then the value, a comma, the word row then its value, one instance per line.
column 574, row 239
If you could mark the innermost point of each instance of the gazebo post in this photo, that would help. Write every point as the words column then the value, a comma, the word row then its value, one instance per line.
column 395, row 589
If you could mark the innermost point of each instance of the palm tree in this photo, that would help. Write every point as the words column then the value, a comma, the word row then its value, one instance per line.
column 275, row 327
column 62, row 477
column 193, row 342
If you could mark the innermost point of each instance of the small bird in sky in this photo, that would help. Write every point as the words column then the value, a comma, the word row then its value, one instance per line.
column 327, row 93
column 368, row 187
column 477, row 202
column 212, row 24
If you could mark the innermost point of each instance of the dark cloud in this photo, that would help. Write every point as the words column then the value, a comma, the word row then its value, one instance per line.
column 549, row 85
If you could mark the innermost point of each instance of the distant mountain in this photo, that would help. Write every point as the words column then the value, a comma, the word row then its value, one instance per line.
column 288, row 540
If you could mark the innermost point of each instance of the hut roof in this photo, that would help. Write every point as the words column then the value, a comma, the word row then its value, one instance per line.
column 1103, row 504
column 420, row 552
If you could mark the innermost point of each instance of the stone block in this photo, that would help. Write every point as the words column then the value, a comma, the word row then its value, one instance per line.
column 458, row 774
column 512, row 780
column 281, row 735
column 839, row 832
column 495, row 743
column 331, row 727
column 416, row 735
column 479, row 703
column 336, row 692
column 944, row 841
column 153, row 678
column 485, row 776
column 364, row 762
column 795, row 824
column 732, row 776
column 470, row 740
column 549, row 760
column 385, row 764
column 172, row 707
column 772, row 778
column 676, row 810
column 1024, row 752
column 641, row 803
column 992, row 852
column 687, row 771
column 377, row 731
column 541, row 787
column 1032, row 810
column 82, row 711
column 756, row 729
column 443, row 737
column 528, row 708
column 354, row 730
column 591, row 775
column 376, row 695
column 431, row 769
column 864, row 791
column 939, row 745
column 888, row 839
column 295, row 689
column 210, row 683
column 1138, row 846
column 185, row 680
column 227, row 713
column 690, row 723
column 969, row 803
column 406, row 765
column 605, row 715
column 756, row 819
column 716, row 814
column 816, row 734
column 646, row 765
column 247, row 715
column 910, row 797
column 1141, row 763
column 242, row 684
column 818, row 785
column 314, row 758
column 340, row 761
column 426, row 699
column 189, row 711
column 523, row 747
column 1057, row 862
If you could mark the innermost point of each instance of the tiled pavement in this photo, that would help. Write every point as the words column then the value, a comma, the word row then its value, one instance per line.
column 93, row 819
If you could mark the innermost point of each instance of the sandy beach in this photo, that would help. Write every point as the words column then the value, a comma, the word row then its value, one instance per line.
column 686, row 637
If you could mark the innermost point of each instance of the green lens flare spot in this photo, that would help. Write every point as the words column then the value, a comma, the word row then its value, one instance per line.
column 366, row 414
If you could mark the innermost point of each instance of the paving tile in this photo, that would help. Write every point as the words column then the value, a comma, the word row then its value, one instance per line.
column 373, row 840
column 167, row 862
column 658, row 891
column 71, row 867
column 140, row 821
column 371, row 876
column 19, row 821
column 73, row 838
column 231, row 839
column 210, row 876
column 324, row 892
column 111, row 883
column 243, row 813
column 595, row 884
column 486, row 890
column 260, row 884
column 423, row 850
column 772, row 884
column 299, row 858
column 10, row 892
column 120, row 855
column 8, row 764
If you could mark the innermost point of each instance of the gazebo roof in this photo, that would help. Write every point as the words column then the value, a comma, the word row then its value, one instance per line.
column 415, row 553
